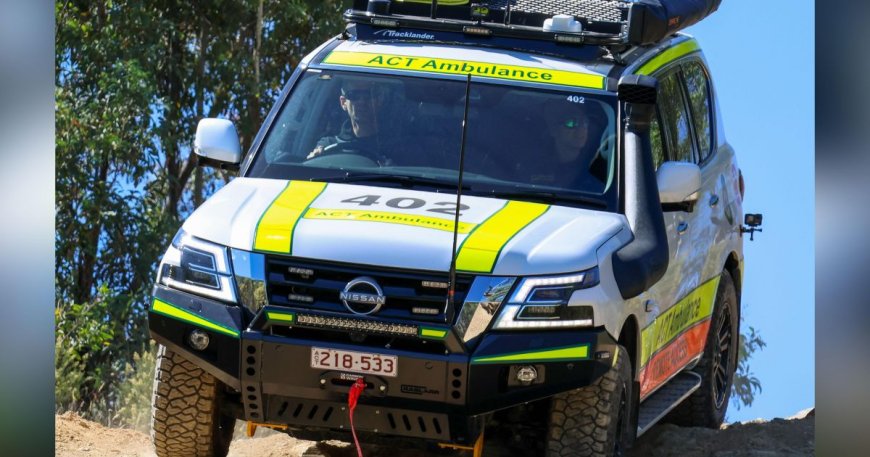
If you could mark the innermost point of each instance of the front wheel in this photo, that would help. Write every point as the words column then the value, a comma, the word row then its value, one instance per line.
column 185, row 412
column 594, row 421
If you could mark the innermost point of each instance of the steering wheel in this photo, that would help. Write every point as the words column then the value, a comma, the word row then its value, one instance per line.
column 349, row 148
column 342, row 159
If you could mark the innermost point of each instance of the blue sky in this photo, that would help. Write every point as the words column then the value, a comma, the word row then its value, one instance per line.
column 761, row 56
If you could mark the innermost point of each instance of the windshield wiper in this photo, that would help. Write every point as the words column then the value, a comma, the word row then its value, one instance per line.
column 404, row 180
column 547, row 197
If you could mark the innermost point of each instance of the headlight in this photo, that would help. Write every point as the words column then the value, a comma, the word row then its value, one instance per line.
column 542, row 302
column 197, row 266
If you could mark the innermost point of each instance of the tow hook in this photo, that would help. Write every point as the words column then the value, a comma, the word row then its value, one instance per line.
column 339, row 382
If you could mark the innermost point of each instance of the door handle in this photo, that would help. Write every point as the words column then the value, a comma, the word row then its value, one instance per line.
column 682, row 227
column 714, row 200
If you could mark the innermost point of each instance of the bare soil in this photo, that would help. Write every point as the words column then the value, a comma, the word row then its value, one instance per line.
column 795, row 436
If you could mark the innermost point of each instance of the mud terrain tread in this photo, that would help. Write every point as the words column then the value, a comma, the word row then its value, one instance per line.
column 581, row 420
column 699, row 409
column 184, row 411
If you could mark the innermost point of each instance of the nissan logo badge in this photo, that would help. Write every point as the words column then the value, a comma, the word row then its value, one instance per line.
column 363, row 295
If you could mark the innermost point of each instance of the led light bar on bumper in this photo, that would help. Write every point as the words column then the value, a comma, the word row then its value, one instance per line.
column 542, row 302
column 197, row 266
column 340, row 323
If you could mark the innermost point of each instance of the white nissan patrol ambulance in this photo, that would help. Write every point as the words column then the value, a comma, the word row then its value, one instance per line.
column 517, row 219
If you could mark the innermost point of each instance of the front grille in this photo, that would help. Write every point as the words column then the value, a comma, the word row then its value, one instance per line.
column 317, row 285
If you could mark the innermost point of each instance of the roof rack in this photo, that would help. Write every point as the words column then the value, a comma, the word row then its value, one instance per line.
column 579, row 22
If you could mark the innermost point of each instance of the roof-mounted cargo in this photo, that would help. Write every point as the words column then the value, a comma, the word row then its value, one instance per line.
column 597, row 22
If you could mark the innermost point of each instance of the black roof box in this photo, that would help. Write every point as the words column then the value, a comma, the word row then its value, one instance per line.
column 611, row 22
column 649, row 21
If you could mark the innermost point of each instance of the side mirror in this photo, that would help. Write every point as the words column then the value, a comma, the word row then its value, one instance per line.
column 217, row 141
column 678, row 182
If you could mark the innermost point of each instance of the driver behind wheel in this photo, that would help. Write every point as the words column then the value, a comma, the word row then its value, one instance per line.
column 362, row 131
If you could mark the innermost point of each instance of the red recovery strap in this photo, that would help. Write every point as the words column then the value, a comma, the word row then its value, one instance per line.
column 355, row 390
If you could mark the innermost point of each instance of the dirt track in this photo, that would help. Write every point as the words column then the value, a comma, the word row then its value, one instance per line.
column 76, row 437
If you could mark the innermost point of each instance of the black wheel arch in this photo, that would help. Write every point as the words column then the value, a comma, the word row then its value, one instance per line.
column 732, row 266
column 629, row 338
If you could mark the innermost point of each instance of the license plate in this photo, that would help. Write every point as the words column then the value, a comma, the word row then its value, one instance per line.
column 357, row 362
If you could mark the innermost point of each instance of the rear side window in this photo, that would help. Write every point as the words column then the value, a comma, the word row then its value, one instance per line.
column 698, row 89
column 657, row 143
column 675, row 118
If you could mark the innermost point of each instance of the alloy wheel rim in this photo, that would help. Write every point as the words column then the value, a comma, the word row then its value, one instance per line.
column 722, row 357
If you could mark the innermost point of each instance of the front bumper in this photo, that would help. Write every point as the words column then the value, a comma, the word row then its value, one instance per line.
column 443, row 391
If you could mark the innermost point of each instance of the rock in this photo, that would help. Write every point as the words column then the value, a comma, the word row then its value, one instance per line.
column 795, row 436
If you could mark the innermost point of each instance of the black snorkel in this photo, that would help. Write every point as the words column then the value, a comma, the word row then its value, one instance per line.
column 643, row 261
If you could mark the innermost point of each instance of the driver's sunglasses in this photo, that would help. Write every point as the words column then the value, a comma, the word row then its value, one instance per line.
column 573, row 123
column 359, row 94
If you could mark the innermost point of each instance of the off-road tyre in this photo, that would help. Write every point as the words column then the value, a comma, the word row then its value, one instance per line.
column 594, row 421
column 185, row 410
column 706, row 407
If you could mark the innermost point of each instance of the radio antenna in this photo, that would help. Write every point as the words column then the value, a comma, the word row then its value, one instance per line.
column 451, row 291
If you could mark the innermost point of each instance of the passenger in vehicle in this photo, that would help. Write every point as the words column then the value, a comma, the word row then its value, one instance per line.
column 570, row 147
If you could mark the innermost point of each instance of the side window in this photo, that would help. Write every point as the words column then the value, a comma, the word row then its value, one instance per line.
column 699, row 98
column 675, row 118
column 657, row 143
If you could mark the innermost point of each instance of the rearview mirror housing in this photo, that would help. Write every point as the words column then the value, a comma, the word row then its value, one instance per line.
column 678, row 182
column 217, row 141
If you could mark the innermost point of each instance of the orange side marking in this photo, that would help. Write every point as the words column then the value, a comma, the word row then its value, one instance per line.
column 673, row 357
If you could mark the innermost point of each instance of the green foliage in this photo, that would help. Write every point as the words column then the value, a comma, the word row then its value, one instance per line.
column 134, row 396
column 746, row 385
column 132, row 81
column 85, row 358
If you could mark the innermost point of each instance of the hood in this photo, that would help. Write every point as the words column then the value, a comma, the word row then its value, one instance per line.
column 401, row 228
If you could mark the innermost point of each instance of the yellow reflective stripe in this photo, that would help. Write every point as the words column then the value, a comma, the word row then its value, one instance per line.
column 170, row 310
column 387, row 217
column 432, row 333
column 481, row 247
column 691, row 309
column 275, row 228
column 463, row 67
column 281, row 317
column 669, row 55
column 567, row 353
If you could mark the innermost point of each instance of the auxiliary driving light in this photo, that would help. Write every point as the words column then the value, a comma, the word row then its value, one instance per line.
column 198, row 339
column 527, row 374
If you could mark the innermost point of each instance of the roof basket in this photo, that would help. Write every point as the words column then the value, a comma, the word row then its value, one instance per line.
column 599, row 22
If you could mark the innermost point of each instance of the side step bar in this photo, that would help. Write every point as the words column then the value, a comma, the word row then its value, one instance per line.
column 654, row 408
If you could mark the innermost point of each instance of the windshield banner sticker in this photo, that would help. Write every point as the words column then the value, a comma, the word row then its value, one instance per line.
column 462, row 67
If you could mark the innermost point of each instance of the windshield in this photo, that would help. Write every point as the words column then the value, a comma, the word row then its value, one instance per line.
column 521, row 142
